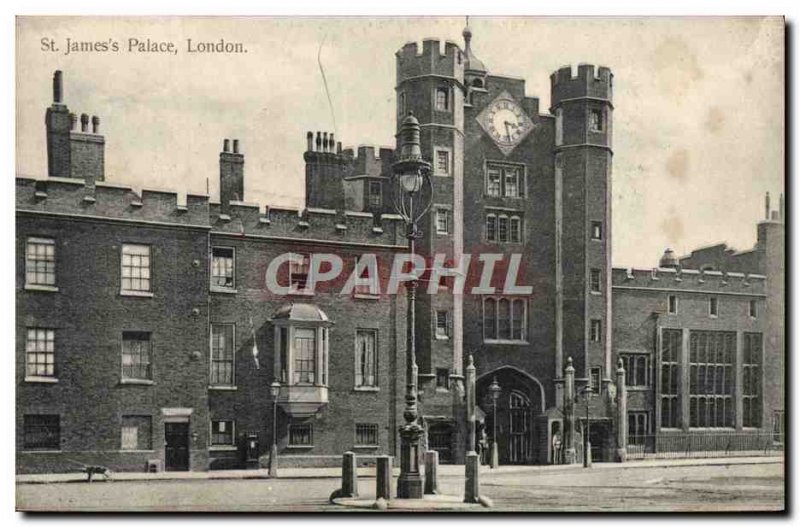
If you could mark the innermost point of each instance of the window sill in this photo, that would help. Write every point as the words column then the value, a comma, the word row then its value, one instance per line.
column 366, row 389
column 300, row 292
column 43, row 288
column 222, row 448
column 39, row 379
column 439, row 174
column 701, row 428
column 224, row 290
column 140, row 294
column 442, row 390
column 637, row 388
column 136, row 451
column 441, row 337
column 299, row 447
column 223, row 387
column 141, row 382
column 598, row 293
column 506, row 342
column 371, row 447
column 59, row 451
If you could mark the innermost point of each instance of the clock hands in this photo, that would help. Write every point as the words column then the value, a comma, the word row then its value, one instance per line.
column 508, row 131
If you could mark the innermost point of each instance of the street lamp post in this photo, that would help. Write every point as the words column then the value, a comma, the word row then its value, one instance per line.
column 274, row 390
column 494, row 389
column 587, row 449
column 412, row 176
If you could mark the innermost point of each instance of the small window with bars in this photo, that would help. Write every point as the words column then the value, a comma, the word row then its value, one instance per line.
column 752, row 309
column 442, row 221
column 222, row 432
column 597, row 230
column 442, row 324
column 301, row 434
column 366, row 358
column 442, row 379
column 596, row 333
column 442, row 167
column 595, row 281
column 40, row 353
column 298, row 273
column 136, row 356
column 594, row 379
column 366, row 434
column 136, row 268
column 222, row 267
column 713, row 307
column 41, row 432
column 40, row 262
column 375, row 194
column 443, row 99
column 672, row 305
column 596, row 120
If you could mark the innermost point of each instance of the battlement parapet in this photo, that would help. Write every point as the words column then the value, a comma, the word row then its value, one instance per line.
column 103, row 200
column 689, row 280
column 312, row 224
column 431, row 61
column 589, row 82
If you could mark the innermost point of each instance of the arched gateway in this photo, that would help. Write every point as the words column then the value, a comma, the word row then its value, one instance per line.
column 519, row 401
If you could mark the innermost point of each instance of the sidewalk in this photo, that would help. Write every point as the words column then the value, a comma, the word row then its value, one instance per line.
column 335, row 472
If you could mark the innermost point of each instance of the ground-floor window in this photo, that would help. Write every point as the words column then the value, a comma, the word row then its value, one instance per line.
column 670, row 373
column 637, row 428
column 222, row 432
column 366, row 434
column 301, row 434
column 42, row 432
column 751, row 381
column 637, row 369
column 711, row 378
column 136, row 432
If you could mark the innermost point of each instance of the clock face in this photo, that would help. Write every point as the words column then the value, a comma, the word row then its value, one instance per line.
column 505, row 122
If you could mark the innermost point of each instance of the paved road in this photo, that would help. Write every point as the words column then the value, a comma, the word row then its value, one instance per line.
column 611, row 488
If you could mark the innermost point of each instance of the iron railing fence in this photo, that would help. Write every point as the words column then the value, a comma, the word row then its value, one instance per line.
column 699, row 444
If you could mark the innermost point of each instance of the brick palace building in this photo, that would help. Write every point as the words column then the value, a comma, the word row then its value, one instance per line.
column 146, row 335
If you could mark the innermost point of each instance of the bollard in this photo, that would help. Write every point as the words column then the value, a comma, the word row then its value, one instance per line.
column 383, row 478
column 349, row 476
column 431, row 469
column 472, row 483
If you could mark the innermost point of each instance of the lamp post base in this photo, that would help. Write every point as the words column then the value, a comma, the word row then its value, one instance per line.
column 494, row 460
column 409, row 483
column 273, row 461
column 587, row 455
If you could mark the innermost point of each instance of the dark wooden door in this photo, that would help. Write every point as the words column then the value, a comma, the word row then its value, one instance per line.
column 520, row 429
column 176, row 436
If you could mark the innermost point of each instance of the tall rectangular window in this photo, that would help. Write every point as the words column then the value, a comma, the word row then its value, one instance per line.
column 637, row 428
column 40, row 353
column 222, row 432
column 491, row 227
column 511, row 182
column 751, row 380
column 222, row 267
column 41, row 432
column 136, row 432
column 298, row 272
column 442, row 378
column 515, row 229
column 597, row 230
column 637, row 369
column 136, row 268
column 366, row 358
column 301, row 434
column 222, row 354
column 443, row 99
column 672, row 305
column 442, row 221
column 752, row 309
column 136, row 356
column 713, row 307
column 670, row 374
column 596, row 118
column 305, row 356
column 596, row 282
column 401, row 105
column 366, row 434
column 493, row 183
column 375, row 194
column 594, row 379
column 711, row 378
column 596, row 332
column 502, row 228
column 442, row 324
column 40, row 262
column 442, row 167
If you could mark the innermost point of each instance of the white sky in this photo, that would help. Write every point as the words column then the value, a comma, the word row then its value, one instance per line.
column 698, row 121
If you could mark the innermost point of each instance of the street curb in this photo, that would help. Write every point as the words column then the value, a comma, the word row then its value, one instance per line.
column 543, row 469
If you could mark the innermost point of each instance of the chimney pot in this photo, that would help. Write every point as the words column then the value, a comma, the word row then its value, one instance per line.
column 310, row 142
column 226, row 145
column 331, row 143
column 766, row 206
column 319, row 141
column 58, row 87
column 338, row 147
column 95, row 124
column 84, row 122
column 235, row 146
column 73, row 120
column 324, row 141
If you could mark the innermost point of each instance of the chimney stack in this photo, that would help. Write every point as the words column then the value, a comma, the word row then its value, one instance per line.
column 58, row 87
column 766, row 207
column 231, row 175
